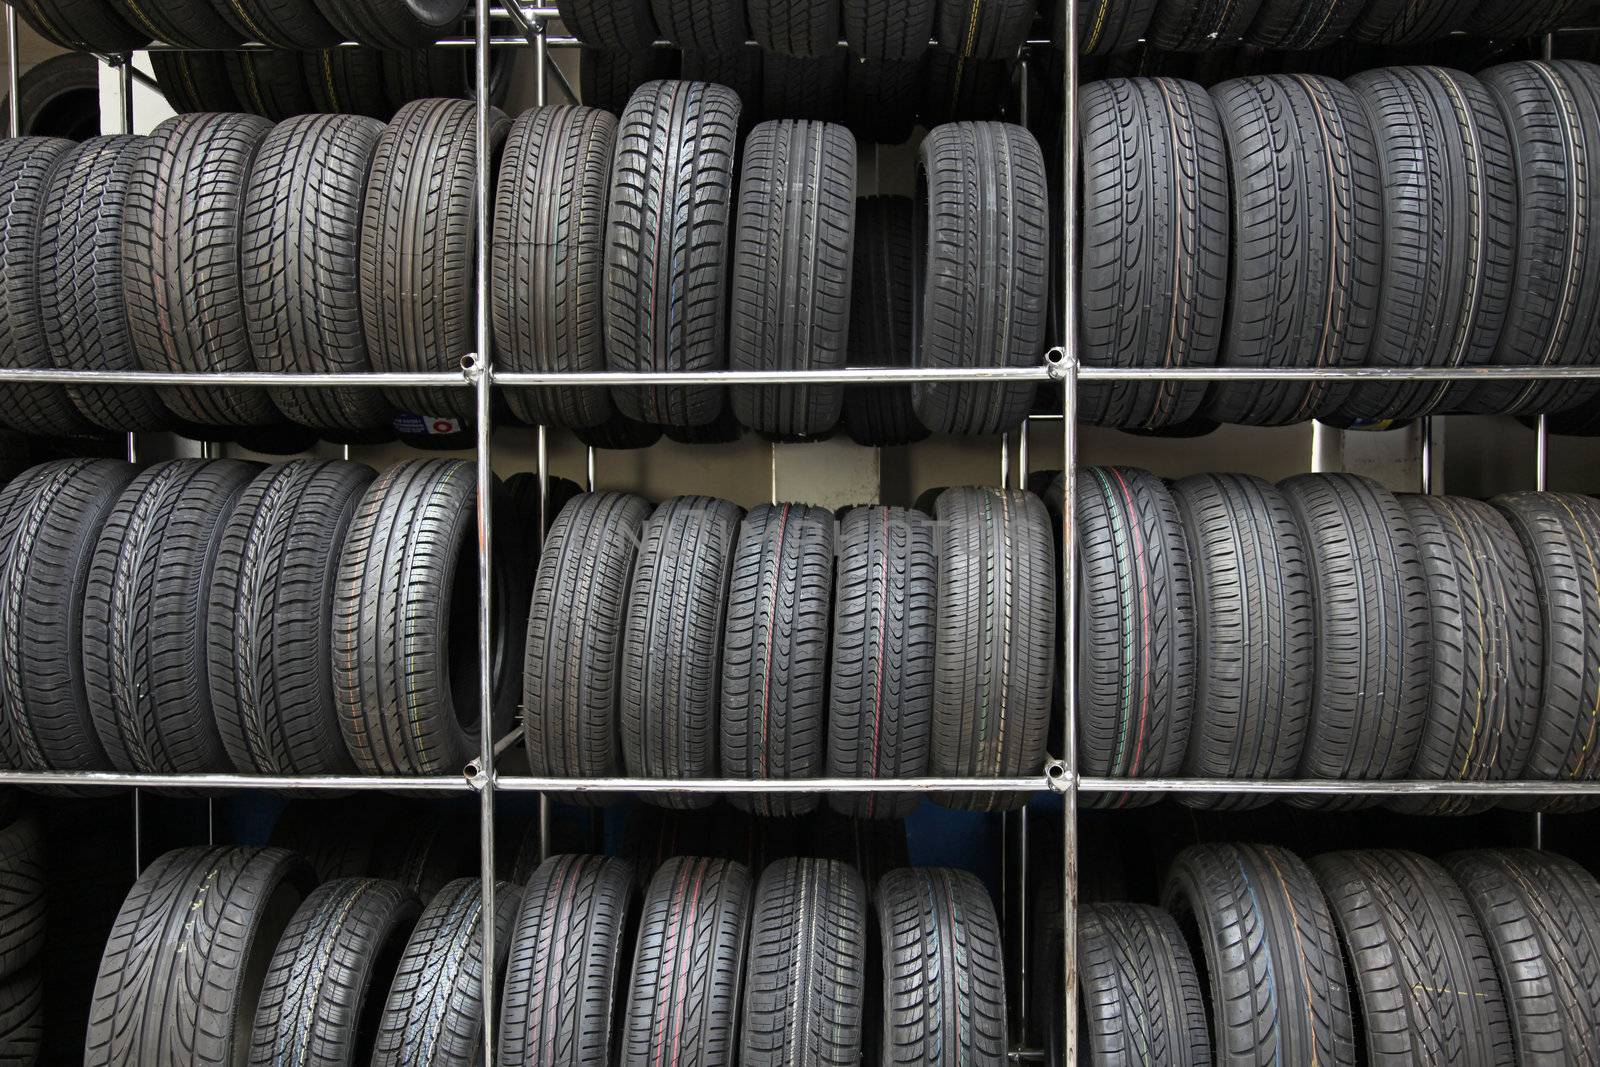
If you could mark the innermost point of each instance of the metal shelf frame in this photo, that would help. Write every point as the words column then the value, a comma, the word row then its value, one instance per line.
column 1060, row 365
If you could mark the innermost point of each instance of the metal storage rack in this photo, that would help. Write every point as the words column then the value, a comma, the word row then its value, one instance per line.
column 1059, row 365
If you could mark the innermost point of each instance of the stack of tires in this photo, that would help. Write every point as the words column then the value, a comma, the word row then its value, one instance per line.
column 22, row 933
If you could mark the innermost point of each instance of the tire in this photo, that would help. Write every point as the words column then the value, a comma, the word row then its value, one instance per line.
column 418, row 231
column 607, row 77
column 195, row 81
column 1141, row 996
column 27, row 168
column 664, row 312
column 881, row 99
column 775, row 653
column 723, row 430
column 433, row 849
column 790, row 304
column 709, row 27
column 986, row 271
column 80, row 283
column 944, row 998
column 959, row 90
column 619, row 432
column 1108, row 27
column 985, row 29
column 888, row 29
column 548, row 265
column 1200, row 25
column 59, row 97
column 800, row 31
column 1256, row 629
column 22, row 1017
column 1483, row 713
column 870, row 847
column 289, row 24
column 50, row 521
column 1540, row 915
column 1155, row 244
column 394, row 24
column 348, row 81
column 566, row 962
column 411, row 75
column 82, row 25
column 1137, row 630
column 882, row 307
column 687, row 965
column 144, row 634
column 994, row 650
column 627, row 26
column 805, row 973
column 1302, row 25
column 269, row 615
column 1501, row 19
column 573, row 666
column 405, row 609
column 270, row 83
column 741, row 71
column 1424, row 979
column 1399, row 22
column 1552, row 111
column 804, row 88
column 1374, row 632
column 880, row 704
column 1264, row 936
column 181, row 243
column 1307, row 245
column 1560, row 534
column 1445, row 164
column 337, row 837
column 22, row 894
column 182, row 971
column 333, row 961
column 184, row 23
column 301, row 257
column 434, row 1012
column 672, row 643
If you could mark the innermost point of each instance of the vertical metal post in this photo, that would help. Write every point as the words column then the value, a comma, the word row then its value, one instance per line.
column 1069, row 543
column 13, row 73
column 483, row 384
column 1541, row 458
column 541, row 77
column 1427, row 453
column 1024, row 938
column 125, row 91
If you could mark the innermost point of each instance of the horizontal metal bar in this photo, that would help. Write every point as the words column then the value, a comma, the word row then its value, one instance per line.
column 449, row 379
column 1336, row 788
column 1323, row 374
column 1037, row 784
column 203, row 782
column 844, row 376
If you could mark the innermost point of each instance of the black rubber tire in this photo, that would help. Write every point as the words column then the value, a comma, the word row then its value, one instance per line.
column 414, row 74
column 1541, row 915
column 775, row 653
column 1108, row 27
column 1256, row 630
column 22, row 894
column 337, row 837
column 431, row 848
column 548, row 258
column 329, row 974
column 619, row 432
column 144, row 610
column 888, row 29
column 1154, row 265
column 958, row 90
column 722, row 430
column 872, row 847
column 688, row 961
column 1137, row 635
column 624, row 25
column 1141, row 996
column 22, row 1017
column 28, row 166
column 672, row 643
column 181, row 241
column 405, row 609
column 80, row 283
column 1560, row 535
column 185, row 23
column 195, row 81
column 790, row 302
column 944, row 995
column 805, row 973
column 801, row 31
column 394, row 24
column 1448, row 186
column 572, row 670
column 1552, row 111
column 1201, row 25
column 301, row 253
column 881, row 99
column 741, row 71
column 1302, row 25
column 418, row 234
column 1401, row 22
column 50, row 521
column 270, row 83
column 1374, row 633
column 984, row 29
column 182, row 971
column 880, row 702
column 804, row 88
column 289, row 24
column 1263, row 935
column 995, row 645
column 882, row 310
column 1307, row 242
column 348, row 81
column 672, row 181
column 82, row 25
column 607, row 77
column 59, row 97
column 434, row 1012
column 269, row 618
column 986, row 271
column 1424, row 980
column 1487, row 650
column 1511, row 19
column 709, row 27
